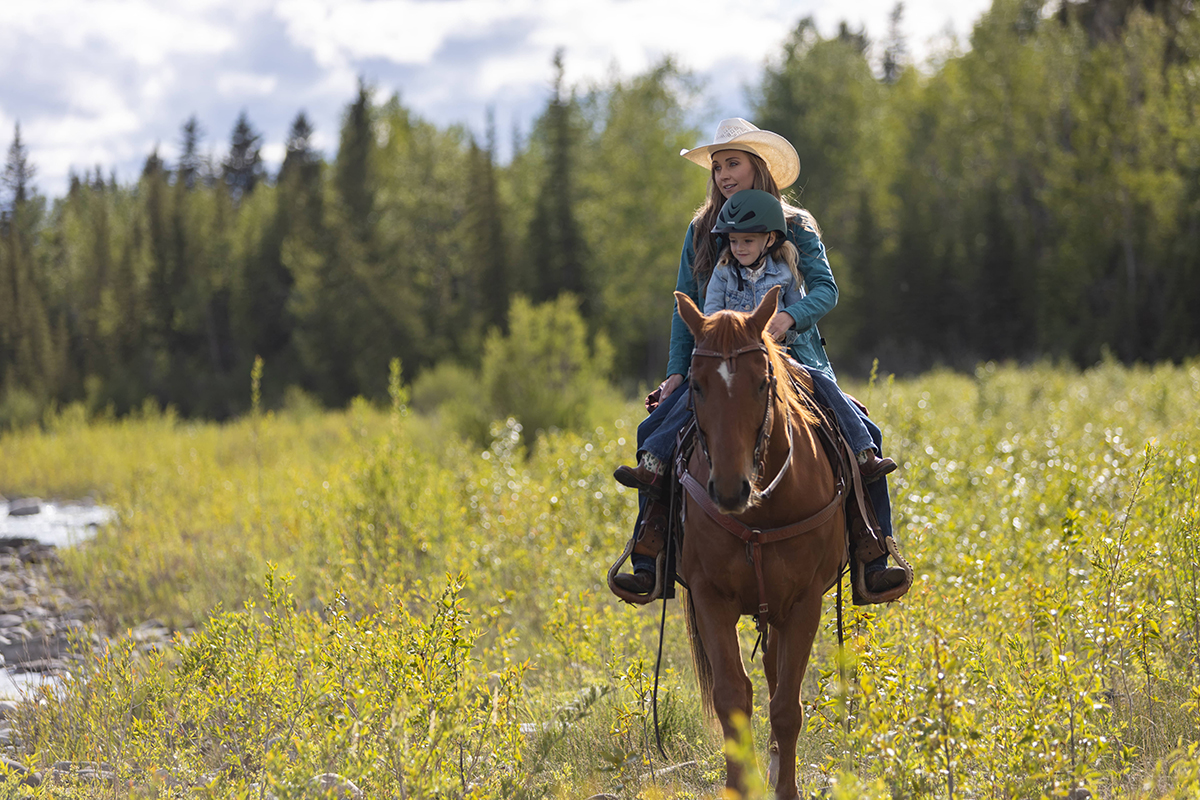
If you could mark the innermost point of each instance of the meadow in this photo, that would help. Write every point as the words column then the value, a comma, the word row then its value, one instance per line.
column 362, row 592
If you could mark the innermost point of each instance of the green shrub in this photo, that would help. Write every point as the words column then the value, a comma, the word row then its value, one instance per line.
column 19, row 408
column 444, row 383
column 300, row 403
column 543, row 373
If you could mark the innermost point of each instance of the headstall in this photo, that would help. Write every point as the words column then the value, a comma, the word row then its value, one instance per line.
column 764, row 436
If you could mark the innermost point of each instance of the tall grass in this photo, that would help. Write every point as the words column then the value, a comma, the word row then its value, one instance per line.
column 360, row 592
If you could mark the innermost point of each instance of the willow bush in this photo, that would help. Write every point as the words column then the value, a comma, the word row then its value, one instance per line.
column 364, row 593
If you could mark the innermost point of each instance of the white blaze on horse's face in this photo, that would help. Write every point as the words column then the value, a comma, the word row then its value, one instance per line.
column 727, row 375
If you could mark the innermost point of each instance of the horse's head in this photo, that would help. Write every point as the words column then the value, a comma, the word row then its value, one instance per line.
column 732, row 389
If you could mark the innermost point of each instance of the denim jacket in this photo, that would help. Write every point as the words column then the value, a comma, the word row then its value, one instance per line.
column 726, row 292
column 810, row 302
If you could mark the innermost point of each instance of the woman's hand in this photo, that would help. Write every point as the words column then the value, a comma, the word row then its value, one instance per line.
column 672, row 383
column 663, row 391
column 780, row 324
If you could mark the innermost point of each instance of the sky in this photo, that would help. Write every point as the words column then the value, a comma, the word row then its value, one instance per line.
column 105, row 82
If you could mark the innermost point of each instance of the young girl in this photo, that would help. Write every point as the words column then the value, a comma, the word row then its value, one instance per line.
column 757, row 257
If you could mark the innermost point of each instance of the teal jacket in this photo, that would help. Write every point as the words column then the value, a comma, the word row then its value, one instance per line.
column 821, row 295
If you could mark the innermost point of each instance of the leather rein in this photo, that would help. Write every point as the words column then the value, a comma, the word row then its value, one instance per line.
column 755, row 538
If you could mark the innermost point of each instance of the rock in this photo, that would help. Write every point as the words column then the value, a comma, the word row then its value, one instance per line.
column 7, row 765
column 8, row 708
column 24, row 507
column 82, row 772
column 343, row 788
column 151, row 631
column 659, row 773
column 604, row 797
column 10, row 620
column 1079, row 794
column 18, row 634
column 84, row 612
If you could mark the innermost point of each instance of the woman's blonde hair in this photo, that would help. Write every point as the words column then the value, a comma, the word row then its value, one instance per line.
column 781, row 250
column 704, row 241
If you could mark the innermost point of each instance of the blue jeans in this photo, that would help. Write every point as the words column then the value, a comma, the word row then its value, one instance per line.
column 657, row 433
column 849, row 417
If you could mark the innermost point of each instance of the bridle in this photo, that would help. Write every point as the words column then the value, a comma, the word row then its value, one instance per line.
column 755, row 538
column 764, row 435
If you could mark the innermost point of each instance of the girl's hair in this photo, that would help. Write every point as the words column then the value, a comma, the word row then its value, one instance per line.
column 781, row 250
column 704, row 241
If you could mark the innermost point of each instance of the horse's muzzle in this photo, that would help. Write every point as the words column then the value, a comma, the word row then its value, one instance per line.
column 734, row 503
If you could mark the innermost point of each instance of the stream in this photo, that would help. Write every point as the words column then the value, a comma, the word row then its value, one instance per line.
column 32, row 636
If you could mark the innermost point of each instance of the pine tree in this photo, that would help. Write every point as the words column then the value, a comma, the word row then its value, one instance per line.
column 154, row 166
column 191, row 162
column 300, row 159
column 18, row 175
column 895, row 53
column 243, row 167
column 354, row 176
column 264, row 305
column 28, row 360
column 556, row 246
column 487, row 256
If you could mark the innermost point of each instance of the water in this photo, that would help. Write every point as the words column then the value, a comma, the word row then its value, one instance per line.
column 23, row 685
column 58, row 524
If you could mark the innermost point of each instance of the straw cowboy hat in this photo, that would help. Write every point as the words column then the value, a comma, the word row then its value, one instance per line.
column 738, row 134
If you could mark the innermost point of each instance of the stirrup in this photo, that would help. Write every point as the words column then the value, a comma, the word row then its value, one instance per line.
column 858, row 583
column 660, row 570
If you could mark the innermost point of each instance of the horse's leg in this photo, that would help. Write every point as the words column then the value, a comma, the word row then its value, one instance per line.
column 732, row 692
column 787, row 715
column 771, row 668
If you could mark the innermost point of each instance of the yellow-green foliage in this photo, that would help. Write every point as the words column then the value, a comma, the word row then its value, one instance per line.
column 1051, row 639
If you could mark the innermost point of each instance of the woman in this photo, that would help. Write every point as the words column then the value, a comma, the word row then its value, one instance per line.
column 740, row 157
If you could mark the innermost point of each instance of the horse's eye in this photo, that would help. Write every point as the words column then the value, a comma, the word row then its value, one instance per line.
column 763, row 386
column 696, row 390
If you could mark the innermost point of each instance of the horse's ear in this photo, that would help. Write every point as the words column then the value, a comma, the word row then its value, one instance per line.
column 760, row 316
column 689, row 313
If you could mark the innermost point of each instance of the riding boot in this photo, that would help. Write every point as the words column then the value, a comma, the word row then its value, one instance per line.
column 647, row 476
column 871, row 579
column 880, row 578
column 648, row 542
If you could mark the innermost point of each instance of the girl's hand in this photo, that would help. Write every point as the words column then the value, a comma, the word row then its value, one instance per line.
column 780, row 324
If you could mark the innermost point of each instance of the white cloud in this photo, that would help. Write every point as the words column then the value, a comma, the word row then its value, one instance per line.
column 273, row 153
column 148, row 33
column 238, row 85
column 103, row 80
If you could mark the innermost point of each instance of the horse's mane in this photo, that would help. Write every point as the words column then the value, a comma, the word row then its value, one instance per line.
column 725, row 331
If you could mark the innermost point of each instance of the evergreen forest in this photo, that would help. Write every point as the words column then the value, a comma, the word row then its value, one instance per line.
column 1035, row 194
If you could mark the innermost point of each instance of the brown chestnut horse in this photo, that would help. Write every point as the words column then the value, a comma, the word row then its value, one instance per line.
column 764, row 525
